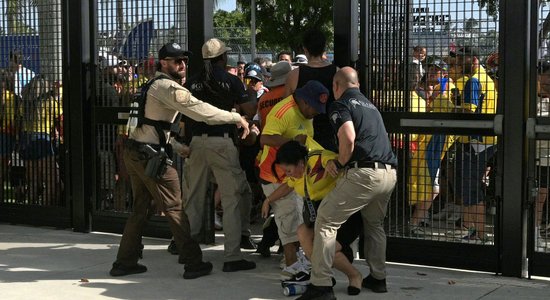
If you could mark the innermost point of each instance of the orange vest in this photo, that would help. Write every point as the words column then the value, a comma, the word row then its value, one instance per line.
column 268, row 100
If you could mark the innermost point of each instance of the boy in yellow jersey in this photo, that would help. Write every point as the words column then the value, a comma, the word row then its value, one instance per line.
column 474, row 152
column 41, row 109
column 291, row 118
column 304, row 168
column 426, row 160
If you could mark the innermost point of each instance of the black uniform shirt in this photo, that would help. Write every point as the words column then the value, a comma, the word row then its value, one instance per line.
column 371, row 139
column 234, row 93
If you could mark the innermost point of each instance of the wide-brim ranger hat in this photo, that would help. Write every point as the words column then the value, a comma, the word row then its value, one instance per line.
column 315, row 94
column 213, row 48
column 173, row 50
column 279, row 73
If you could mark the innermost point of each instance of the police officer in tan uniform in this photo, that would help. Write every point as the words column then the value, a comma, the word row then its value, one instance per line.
column 165, row 99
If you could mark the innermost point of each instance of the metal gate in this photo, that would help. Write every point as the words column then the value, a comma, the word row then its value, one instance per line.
column 538, row 231
column 32, row 170
column 128, row 37
column 419, row 58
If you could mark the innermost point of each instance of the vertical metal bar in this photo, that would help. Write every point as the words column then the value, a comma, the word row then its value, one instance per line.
column 513, row 90
column 78, row 31
column 201, row 16
column 364, row 63
column 532, row 185
column 345, row 32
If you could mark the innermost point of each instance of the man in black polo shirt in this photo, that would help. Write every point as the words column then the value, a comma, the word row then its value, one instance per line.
column 367, row 176
column 213, row 151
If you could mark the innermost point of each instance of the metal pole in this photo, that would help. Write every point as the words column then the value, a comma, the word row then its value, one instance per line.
column 253, row 29
column 514, row 92
column 78, row 128
column 345, row 32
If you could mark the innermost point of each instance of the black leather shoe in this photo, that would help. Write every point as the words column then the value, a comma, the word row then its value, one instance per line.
column 263, row 250
column 238, row 265
column 247, row 243
column 120, row 270
column 376, row 285
column 197, row 270
column 172, row 248
column 353, row 291
column 318, row 293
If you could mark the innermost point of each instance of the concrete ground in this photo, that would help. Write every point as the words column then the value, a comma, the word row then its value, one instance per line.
column 43, row 263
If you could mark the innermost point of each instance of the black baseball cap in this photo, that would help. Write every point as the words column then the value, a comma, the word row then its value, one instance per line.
column 173, row 50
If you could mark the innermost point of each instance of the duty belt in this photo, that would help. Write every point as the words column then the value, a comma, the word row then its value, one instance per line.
column 369, row 164
column 135, row 145
column 215, row 134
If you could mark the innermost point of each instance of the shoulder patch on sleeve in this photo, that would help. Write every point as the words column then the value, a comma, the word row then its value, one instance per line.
column 335, row 117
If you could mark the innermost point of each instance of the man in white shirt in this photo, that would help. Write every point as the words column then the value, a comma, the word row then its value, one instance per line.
column 22, row 75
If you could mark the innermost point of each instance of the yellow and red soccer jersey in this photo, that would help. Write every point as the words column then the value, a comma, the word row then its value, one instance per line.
column 284, row 119
column 319, row 182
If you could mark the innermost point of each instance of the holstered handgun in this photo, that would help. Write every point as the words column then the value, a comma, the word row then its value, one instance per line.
column 158, row 161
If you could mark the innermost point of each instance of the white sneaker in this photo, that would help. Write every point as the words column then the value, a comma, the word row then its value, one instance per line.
column 290, row 271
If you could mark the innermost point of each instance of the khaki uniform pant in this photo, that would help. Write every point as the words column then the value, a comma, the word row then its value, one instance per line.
column 288, row 213
column 219, row 156
column 245, row 204
column 359, row 189
column 166, row 194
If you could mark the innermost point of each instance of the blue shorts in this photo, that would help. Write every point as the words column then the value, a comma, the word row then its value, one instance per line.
column 469, row 173
column 36, row 146
column 7, row 143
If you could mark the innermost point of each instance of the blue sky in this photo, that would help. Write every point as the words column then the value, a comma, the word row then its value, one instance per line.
column 228, row 5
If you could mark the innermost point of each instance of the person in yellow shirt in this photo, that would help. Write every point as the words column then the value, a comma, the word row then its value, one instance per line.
column 291, row 118
column 304, row 167
column 41, row 109
column 473, row 153
column 426, row 160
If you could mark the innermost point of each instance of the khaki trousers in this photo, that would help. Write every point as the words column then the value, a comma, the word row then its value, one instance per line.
column 288, row 213
column 219, row 156
column 359, row 189
column 166, row 195
column 245, row 203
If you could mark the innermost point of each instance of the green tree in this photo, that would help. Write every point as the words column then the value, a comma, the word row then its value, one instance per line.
column 232, row 28
column 14, row 13
column 281, row 23
column 491, row 5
